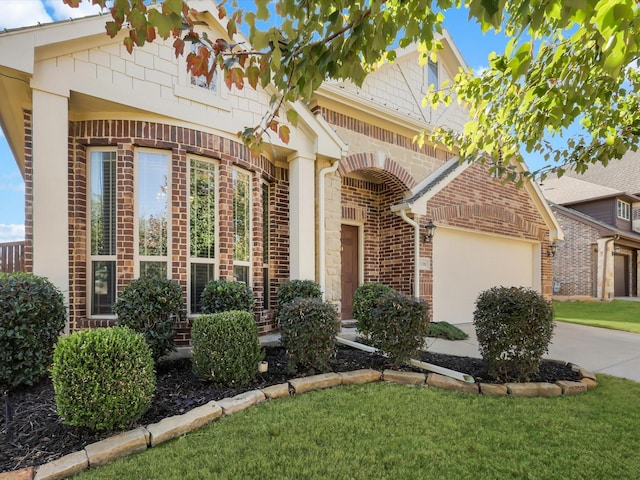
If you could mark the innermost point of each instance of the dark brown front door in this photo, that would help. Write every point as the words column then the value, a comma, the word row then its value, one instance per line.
column 621, row 276
column 350, row 257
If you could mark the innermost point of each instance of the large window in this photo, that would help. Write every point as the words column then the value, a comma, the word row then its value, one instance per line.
column 153, row 196
column 102, row 235
column 624, row 210
column 241, row 226
column 202, row 229
column 265, row 245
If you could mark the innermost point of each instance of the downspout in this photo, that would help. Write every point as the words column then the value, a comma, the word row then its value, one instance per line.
column 416, row 252
column 321, row 227
column 604, row 263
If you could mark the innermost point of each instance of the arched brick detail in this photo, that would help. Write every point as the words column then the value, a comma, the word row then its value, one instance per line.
column 493, row 212
column 369, row 162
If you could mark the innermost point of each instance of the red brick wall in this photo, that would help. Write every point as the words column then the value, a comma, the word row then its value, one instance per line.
column 573, row 266
column 179, row 142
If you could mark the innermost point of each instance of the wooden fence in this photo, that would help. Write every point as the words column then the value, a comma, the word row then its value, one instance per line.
column 12, row 257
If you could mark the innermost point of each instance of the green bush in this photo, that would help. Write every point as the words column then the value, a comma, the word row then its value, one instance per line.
column 289, row 291
column 514, row 326
column 151, row 306
column 308, row 329
column 223, row 296
column 103, row 378
column 32, row 316
column 364, row 302
column 226, row 347
column 446, row 330
column 399, row 326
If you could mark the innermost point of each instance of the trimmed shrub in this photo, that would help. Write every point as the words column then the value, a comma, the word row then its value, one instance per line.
column 399, row 326
column 364, row 302
column 514, row 326
column 151, row 306
column 446, row 330
column 226, row 347
column 289, row 291
column 308, row 329
column 32, row 316
column 103, row 378
column 223, row 296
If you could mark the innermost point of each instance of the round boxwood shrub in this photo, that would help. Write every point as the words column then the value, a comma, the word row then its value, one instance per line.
column 308, row 329
column 32, row 316
column 364, row 302
column 226, row 347
column 223, row 296
column 151, row 306
column 289, row 291
column 399, row 325
column 514, row 326
column 103, row 378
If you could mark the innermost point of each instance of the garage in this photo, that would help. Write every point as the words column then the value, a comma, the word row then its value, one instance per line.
column 466, row 263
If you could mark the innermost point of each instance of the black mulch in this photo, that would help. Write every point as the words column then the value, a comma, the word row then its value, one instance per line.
column 36, row 435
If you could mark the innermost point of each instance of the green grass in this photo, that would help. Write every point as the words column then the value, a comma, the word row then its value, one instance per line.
column 617, row 315
column 390, row 431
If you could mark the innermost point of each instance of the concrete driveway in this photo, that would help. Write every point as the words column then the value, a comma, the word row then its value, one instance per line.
column 597, row 349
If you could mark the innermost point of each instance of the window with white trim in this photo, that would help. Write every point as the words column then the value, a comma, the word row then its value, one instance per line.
column 152, row 204
column 102, row 233
column 202, row 228
column 201, row 81
column 433, row 75
column 241, row 226
column 624, row 210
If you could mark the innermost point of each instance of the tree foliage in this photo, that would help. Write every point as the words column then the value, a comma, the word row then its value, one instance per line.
column 567, row 62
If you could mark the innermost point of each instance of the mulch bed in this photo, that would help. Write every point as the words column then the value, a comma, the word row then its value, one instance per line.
column 36, row 435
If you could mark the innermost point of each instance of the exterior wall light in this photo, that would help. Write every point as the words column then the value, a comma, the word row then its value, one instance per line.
column 552, row 249
column 430, row 229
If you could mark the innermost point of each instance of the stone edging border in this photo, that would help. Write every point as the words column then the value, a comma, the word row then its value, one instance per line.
column 141, row 438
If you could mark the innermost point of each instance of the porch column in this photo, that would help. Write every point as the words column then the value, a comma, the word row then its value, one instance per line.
column 50, row 208
column 302, row 237
column 605, row 274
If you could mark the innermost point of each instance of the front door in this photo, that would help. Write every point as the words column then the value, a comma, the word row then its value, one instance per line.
column 350, row 255
column 621, row 276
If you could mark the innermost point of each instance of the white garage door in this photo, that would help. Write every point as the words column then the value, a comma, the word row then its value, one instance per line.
column 465, row 264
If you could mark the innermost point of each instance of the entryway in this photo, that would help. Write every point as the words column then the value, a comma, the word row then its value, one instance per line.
column 350, row 255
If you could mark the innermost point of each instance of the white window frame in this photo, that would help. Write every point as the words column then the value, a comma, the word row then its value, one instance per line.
column 198, row 260
column 427, row 76
column 242, row 263
column 623, row 210
column 137, row 258
column 97, row 258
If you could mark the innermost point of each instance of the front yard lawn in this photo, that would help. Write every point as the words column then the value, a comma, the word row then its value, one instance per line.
column 390, row 431
column 618, row 315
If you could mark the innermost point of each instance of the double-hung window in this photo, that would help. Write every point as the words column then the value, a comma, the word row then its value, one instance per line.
column 202, row 228
column 265, row 246
column 433, row 75
column 624, row 210
column 153, row 196
column 102, row 235
column 241, row 226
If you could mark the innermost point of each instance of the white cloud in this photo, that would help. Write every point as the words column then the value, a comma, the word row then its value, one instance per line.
column 23, row 13
column 11, row 233
column 61, row 11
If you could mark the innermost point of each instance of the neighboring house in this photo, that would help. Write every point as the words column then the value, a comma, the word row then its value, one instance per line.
column 132, row 167
column 599, row 255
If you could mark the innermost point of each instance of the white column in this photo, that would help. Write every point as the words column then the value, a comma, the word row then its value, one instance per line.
column 50, row 132
column 302, row 237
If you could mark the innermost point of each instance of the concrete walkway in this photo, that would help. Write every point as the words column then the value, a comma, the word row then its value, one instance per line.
column 597, row 349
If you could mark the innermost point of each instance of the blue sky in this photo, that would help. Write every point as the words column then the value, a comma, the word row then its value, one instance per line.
column 475, row 48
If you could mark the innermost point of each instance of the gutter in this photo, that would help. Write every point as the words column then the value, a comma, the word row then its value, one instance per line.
column 416, row 251
column 321, row 226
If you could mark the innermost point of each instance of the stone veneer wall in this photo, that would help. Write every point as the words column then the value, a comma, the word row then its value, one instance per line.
column 126, row 136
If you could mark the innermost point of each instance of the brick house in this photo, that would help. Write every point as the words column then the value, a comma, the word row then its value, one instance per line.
column 132, row 167
column 599, row 214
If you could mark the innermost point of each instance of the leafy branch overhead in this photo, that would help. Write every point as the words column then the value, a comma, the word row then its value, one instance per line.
column 567, row 63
